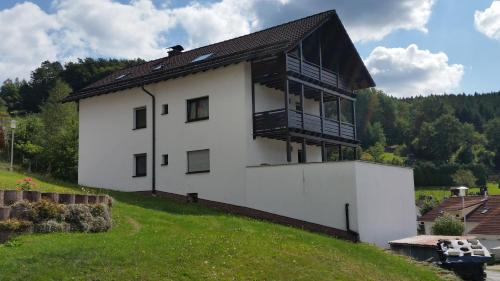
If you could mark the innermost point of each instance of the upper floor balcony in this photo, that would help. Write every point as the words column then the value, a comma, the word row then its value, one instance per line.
column 309, row 71
column 275, row 121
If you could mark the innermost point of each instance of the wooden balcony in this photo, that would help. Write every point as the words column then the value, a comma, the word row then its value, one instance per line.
column 316, row 73
column 274, row 122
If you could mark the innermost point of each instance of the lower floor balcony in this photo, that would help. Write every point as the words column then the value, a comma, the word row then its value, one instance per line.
column 275, row 122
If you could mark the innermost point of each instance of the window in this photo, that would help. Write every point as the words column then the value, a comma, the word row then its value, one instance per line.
column 197, row 109
column 164, row 160
column 331, row 109
column 202, row 57
column 140, row 165
column 347, row 111
column 198, row 161
column 164, row 109
column 140, row 118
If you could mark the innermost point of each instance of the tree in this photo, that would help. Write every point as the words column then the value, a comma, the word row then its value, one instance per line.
column 42, row 80
column 447, row 225
column 10, row 94
column 60, row 133
column 440, row 139
column 464, row 177
column 492, row 130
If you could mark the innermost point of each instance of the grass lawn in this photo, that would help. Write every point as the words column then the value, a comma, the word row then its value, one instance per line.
column 155, row 239
column 440, row 192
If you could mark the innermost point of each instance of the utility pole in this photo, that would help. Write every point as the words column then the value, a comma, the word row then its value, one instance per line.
column 13, row 129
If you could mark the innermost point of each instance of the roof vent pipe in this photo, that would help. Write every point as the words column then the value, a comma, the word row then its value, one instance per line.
column 175, row 50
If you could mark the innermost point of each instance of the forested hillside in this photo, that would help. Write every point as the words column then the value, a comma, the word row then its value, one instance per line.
column 437, row 135
column 448, row 139
column 46, row 138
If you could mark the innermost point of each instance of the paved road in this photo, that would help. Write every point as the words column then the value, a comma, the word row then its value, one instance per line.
column 492, row 275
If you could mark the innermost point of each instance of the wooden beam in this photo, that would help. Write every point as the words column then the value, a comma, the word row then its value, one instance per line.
column 302, row 104
column 304, row 151
column 323, row 152
column 288, row 149
column 253, row 104
column 317, row 87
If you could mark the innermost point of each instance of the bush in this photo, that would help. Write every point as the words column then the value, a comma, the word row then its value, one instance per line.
column 464, row 177
column 428, row 204
column 16, row 226
column 23, row 210
column 94, row 218
column 51, row 226
column 47, row 210
column 447, row 225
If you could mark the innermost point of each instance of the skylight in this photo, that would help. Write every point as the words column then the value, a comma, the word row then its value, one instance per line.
column 484, row 211
column 202, row 57
column 158, row 67
column 122, row 76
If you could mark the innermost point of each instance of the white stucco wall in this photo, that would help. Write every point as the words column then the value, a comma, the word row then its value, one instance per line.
column 107, row 141
column 386, row 203
column 381, row 197
column 314, row 192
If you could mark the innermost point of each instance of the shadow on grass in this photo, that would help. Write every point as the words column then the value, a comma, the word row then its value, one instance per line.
column 161, row 204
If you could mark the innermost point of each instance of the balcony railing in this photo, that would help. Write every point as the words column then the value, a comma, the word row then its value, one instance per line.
column 274, row 121
column 315, row 72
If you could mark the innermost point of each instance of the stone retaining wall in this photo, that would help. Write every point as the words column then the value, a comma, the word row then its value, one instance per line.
column 10, row 197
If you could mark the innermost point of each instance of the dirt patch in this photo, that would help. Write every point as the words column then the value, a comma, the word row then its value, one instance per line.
column 136, row 226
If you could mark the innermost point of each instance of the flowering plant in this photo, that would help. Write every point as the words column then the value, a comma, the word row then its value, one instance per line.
column 26, row 184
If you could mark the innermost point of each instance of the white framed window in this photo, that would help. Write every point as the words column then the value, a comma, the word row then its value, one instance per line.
column 140, row 165
column 198, row 161
column 140, row 118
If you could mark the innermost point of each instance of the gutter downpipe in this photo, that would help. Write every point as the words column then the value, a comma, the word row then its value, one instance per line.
column 153, row 100
column 348, row 227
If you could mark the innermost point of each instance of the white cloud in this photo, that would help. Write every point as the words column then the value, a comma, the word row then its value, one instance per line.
column 217, row 21
column 112, row 29
column 108, row 28
column 488, row 21
column 25, row 31
column 365, row 20
column 412, row 71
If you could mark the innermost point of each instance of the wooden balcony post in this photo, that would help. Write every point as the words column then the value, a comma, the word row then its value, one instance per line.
column 253, row 106
column 301, row 57
column 320, row 59
column 304, row 150
column 323, row 152
column 322, row 111
column 338, row 116
column 288, row 150
column 354, row 117
column 302, row 103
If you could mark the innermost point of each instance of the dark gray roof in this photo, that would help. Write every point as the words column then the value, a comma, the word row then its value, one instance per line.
column 269, row 41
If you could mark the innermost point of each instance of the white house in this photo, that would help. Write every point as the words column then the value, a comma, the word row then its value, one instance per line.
column 253, row 123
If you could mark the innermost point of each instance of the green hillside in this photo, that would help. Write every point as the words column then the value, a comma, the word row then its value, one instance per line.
column 156, row 239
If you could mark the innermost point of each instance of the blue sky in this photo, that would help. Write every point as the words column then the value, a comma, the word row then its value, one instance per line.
column 411, row 47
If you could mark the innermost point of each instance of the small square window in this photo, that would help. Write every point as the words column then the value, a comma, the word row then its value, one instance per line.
column 164, row 160
column 197, row 109
column 140, row 118
column 198, row 161
column 164, row 109
column 140, row 165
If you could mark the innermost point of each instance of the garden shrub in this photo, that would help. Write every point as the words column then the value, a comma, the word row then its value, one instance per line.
column 47, row 210
column 23, row 210
column 447, row 225
column 16, row 226
column 88, row 218
column 51, row 226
